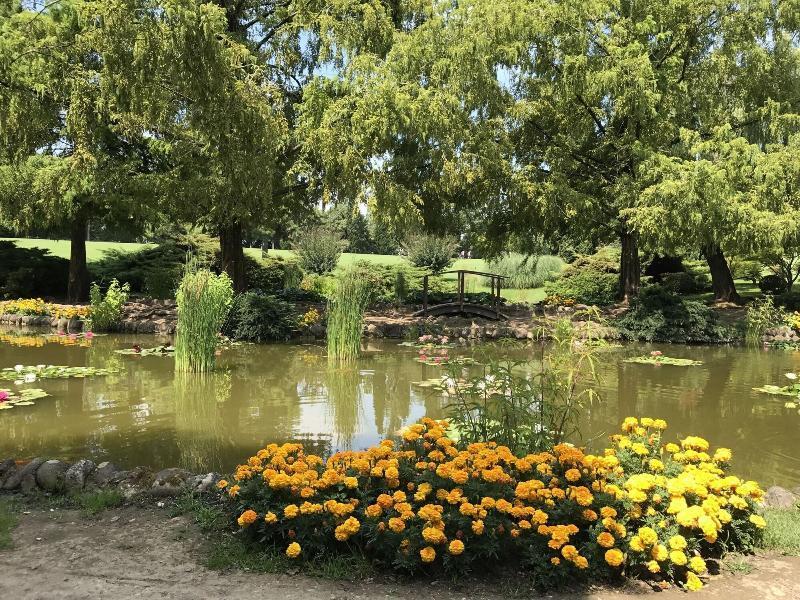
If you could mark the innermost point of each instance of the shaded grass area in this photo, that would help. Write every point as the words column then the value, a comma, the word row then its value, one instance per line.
column 783, row 531
column 8, row 520
column 227, row 551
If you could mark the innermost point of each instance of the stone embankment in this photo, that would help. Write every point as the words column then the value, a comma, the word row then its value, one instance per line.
column 56, row 476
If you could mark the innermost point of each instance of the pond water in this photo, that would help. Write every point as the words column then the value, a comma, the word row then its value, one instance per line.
column 146, row 415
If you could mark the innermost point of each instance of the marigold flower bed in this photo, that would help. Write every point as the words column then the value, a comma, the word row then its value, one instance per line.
column 642, row 509
column 39, row 308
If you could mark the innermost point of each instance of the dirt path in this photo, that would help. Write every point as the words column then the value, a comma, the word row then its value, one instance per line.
column 142, row 553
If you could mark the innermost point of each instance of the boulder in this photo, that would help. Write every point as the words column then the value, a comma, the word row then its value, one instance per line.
column 778, row 497
column 77, row 475
column 204, row 483
column 171, row 482
column 103, row 474
column 7, row 467
column 51, row 476
column 27, row 472
column 132, row 483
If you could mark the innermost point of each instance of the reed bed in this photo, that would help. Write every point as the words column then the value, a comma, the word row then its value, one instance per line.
column 203, row 302
column 346, row 317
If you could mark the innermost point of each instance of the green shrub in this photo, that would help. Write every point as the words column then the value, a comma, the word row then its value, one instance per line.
column 679, row 283
column 272, row 274
column 788, row 300
column 260, row 318
column 106, row 310
column 31, row 272
column 586, row 286
column 430, row 251
column 523, row 272
column 772, row 284
column 658, row 315
column 318, row 250
column 762, row 314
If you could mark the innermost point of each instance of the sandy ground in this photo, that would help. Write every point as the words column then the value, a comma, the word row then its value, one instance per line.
column 142, row 553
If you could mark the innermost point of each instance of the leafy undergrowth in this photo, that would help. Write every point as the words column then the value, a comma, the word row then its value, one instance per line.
column 93, row 503
column 8, row 520
column 783, row 531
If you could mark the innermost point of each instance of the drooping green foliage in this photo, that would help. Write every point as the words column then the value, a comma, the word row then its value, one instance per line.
column 430, row 251
column 318, row 249
column 346, row 317
column 260, row 318
column 203, row 302
column 526, row 271
column 106, row 309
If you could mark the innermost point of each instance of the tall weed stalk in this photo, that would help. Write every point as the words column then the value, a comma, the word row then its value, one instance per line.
column 346, row 317
column 203, row 302
column 762, row 314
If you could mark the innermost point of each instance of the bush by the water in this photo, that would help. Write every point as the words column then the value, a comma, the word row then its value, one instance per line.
column 644, row 508
column 524, row 272
column 318, row 250
column 433, row 252
column 31, row 272
column 106, row 309
column 680, row 283
column 659, row 315
column 788, row 300
column 256, row 317
column 592, row 279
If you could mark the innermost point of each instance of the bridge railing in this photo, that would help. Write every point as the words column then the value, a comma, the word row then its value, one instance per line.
column 495, row 280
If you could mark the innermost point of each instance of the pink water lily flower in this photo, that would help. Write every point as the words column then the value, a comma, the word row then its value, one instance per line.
column 88, row 335
column 3, row 395
column 656, row 353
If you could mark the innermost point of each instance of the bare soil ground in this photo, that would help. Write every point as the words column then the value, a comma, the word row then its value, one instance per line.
column 136, row 552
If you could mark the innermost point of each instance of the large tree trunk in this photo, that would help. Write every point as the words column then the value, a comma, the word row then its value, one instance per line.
column 630, row 272
column 230, row 242
column 721, row 277
column 78, row 284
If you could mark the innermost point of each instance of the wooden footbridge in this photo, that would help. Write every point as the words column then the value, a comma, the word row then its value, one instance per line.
column 460, row 307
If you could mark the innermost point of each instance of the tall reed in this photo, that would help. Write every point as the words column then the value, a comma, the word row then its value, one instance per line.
column 203, row 302
column 346, row 309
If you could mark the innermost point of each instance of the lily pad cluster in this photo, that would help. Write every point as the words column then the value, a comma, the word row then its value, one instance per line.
column 20, row 374
column 657, row 358
column 26, row 397
column 792, row 389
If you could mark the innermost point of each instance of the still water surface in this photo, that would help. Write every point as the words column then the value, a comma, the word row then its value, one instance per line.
column 146, row 415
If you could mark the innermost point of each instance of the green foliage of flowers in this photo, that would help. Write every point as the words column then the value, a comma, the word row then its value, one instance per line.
column 25, row 397
column 661, row 316
column 762, row 314
column 106, row 311
column 657, row 358
column 346, row 317
column 642, row 508
column 430, row 251
column 29, row 374
column 203, row 302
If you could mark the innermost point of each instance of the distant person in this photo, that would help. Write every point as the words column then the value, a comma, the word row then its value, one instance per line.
column 469, row 254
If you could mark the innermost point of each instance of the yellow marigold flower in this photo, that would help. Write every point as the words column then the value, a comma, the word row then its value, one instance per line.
column 397, row 525
column 614, row 557
column 555, row 561
column 678, row 557
column 569, row 552
column 676, row 505
column 694, row 443
column 608, row 512
column 270, row 518
column 655, row 465
column 697, row 564
column 659, row 424
column 640, row 449
column 351, row 482
column 648, row 536
column 758, row 521
column 637, row 496
column 581, row 562
column 693, row 582
column 677, row 542
column 671, row 448
column 722, row 455
column 653, row 566
column 659, row 552
column 456, row 547
column 291, row 511
column 385, row 501
column 477, row 527
column 589, row 515
column 647, row 422
column 374, row 511
column 427, row 554
column 606, row 540
column 293, row 551
column 433, row 535
column 248, row 517
column 629, row 424
column 636, row 544
column 234, row 491
column 222, row 484
column 572, row 475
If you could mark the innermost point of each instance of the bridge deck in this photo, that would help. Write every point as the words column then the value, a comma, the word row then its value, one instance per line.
column 466, row 308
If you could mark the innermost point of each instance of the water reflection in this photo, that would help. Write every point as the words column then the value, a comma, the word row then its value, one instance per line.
column 146, row 414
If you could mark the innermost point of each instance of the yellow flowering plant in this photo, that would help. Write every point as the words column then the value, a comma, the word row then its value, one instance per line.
column 429, row 503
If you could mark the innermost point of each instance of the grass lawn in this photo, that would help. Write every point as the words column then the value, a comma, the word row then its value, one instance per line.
column 95, row 251
column 783, row 531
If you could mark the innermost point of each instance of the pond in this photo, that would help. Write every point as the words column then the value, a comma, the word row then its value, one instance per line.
column 146, row 415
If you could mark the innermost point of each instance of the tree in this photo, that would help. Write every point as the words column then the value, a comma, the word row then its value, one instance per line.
column 62, row 158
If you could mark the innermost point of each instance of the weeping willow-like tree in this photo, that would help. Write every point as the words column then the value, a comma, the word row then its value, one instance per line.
column 203, row 302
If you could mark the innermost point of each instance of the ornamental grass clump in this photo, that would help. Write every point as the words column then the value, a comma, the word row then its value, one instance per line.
column 642, row 508
column 346, row 317
column 203, row 302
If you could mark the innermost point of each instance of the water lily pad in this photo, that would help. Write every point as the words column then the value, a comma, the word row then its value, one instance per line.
column 28, row 374
column 776, row 390
column 9, row 399
column 663, row 360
